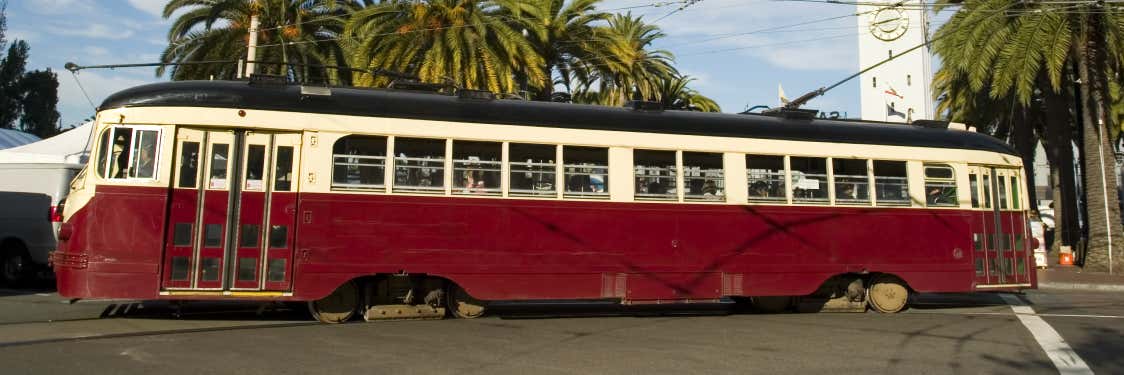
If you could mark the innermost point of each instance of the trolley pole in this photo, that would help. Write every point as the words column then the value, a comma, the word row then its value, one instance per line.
column 252, row 47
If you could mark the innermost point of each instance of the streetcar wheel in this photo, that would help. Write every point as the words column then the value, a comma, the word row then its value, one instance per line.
column 887, row 294
column 15, row 266
column 464, row 306
column 772, row 304
column 338, row 307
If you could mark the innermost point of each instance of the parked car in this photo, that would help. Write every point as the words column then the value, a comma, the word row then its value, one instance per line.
column 1038, row 232
column 30, row 195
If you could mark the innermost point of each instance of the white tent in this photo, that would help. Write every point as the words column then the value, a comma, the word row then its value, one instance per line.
column 70, row 147
column 12, row 138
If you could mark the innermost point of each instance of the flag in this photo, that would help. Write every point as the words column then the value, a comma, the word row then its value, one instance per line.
column 780, row 94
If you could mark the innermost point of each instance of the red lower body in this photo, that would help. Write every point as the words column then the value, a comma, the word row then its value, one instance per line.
column 507, row 249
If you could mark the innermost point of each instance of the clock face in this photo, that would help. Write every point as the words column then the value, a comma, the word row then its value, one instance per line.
column 889, row 24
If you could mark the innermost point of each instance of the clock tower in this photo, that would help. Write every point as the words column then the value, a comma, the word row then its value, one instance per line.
column 897, row 91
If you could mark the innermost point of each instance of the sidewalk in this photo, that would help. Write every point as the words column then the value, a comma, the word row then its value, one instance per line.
column 1073, row 278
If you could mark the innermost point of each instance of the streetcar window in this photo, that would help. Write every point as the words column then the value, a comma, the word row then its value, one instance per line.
column 283, row 171
column 476, row 167
column 247, row 268
column 128, row 153
column 891, row 184
column 974, row 186
column 278, row 236
column 1002, row 190
column 809, row 180
column 142, row 159
column 987, row 190
column 275, row 270
column 703, row 177
column 210, row 268
column 852, row 181
column 115, row 152
column 250, row 235
column 189, row 164
column 1015, row 192
column 182, row 234
column 419, row 165
column 220, row 154
column 255, row 167
column 655, row 175
column 532, row 169
column 765, row 176
column 179, row 268
column 586, row 171
column 212, row 235
column 940, row 187
column 358, row 162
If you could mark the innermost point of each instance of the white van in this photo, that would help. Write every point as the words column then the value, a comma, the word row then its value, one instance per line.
column 34, row 180
column 29, row 219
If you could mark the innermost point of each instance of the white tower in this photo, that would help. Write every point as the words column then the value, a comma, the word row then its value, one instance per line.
column 897, row 91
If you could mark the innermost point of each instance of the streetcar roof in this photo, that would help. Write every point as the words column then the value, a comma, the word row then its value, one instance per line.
column 425, row 106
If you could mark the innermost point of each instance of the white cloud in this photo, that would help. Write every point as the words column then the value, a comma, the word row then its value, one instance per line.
column 93, row 30
column 95, row 51
column 58, row 6
column 24, row 35
column 153, row 7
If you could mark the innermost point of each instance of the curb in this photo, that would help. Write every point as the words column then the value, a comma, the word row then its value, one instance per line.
column 1081, row 286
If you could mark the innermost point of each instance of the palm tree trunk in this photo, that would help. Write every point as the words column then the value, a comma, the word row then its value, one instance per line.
column 1100, row 187
column 1022, row 133
column 1058, row 142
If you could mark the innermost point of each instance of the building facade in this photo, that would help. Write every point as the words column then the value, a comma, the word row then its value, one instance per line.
column 897, row 91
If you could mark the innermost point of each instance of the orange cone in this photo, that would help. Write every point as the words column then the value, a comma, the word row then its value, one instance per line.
column 1065, row 259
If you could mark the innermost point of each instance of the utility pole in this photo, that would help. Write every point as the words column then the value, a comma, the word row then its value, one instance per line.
column 252, row 49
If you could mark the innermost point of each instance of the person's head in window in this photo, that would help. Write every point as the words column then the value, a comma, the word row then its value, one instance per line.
column 710, row 188
column 759, row 189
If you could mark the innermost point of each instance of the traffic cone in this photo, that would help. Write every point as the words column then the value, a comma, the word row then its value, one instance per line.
column 1065, row 256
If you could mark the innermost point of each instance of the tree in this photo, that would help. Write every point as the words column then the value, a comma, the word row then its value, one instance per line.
column 41, row 95
column 11, row 71
column 626, row 65
column 562, row 32
column 674, row 94
column 1013, row 51
column 467, row 43
column 301, row 32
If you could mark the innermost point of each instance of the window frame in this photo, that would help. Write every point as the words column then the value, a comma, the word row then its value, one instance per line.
column 925, row 180
column 675, row 177
column 107, row 147
column 784, row 180
column 385, row 158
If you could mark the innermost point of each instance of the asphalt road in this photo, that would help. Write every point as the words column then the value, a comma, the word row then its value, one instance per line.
column 969, row 334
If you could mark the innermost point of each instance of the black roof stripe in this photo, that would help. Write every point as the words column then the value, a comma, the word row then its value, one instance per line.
column 412, row 105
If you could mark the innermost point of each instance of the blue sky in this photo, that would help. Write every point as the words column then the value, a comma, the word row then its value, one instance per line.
column 736, row 71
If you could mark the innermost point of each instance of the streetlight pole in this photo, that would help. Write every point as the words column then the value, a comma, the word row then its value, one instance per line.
column 252, row 48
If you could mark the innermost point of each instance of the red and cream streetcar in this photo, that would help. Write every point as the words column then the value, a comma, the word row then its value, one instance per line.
column 394, row 203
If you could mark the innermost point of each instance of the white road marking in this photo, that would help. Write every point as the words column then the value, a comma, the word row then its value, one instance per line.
column 1065, row 359
column 1036, row 314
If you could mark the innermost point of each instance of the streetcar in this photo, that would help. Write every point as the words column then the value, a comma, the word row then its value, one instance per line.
column 384, row 204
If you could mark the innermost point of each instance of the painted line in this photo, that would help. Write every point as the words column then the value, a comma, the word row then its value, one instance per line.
column 1009, row 314
column 1065, row 359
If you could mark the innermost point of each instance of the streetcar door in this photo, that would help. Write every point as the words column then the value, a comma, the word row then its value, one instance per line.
column 263, row 238
column 1012, row 223
column 233, row 208
column 197, row 218
column 180, row 253
column 986, row 226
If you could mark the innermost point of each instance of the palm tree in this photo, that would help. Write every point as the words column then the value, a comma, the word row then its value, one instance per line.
column 674, row 94
column 562, row 32
column 626, row 63
column 468, row 43
column 1009, row 50
column 304, row 33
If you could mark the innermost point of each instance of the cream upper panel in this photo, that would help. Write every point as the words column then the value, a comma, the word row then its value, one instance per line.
column 296, row 121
